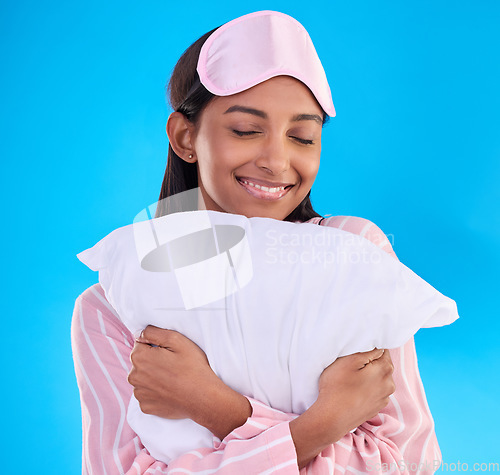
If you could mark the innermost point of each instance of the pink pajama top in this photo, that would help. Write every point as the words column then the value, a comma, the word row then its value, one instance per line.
column 400, row 439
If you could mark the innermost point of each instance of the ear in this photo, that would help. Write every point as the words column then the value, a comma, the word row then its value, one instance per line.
column 180, row 133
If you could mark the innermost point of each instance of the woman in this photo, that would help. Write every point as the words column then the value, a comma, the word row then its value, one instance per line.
column 253, row 151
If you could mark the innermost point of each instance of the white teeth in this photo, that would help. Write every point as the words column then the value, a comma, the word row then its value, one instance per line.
column 264, row 188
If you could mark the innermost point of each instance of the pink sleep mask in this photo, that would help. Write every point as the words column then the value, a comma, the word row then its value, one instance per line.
column 259, row 46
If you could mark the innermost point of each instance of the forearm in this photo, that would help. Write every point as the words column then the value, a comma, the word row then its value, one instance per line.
column 310, row 436
column 102, row 364
column 273, row 440
column 223, row 410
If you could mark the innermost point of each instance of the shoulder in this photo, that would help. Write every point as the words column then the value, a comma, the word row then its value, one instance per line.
column 95, row 298
column 92, row 306
column 94, row 317
column 360, row 226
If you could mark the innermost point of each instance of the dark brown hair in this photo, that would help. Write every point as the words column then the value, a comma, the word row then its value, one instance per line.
column 187, row 95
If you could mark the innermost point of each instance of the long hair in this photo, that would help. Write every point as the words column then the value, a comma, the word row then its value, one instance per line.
column 187, row 95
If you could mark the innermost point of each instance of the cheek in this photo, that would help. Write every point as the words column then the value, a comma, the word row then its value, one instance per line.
column 309, row 167
column 213, row 146
column 226, row 156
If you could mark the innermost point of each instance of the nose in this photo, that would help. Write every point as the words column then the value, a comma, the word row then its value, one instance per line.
column 274, row 155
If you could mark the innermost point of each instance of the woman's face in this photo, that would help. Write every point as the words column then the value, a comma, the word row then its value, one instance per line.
column 267, row 136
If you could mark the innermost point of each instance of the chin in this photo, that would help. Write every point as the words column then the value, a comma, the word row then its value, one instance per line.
column 265, row 214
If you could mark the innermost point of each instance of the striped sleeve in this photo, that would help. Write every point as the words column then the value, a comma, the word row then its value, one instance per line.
column 360, row 226
column 101, row 352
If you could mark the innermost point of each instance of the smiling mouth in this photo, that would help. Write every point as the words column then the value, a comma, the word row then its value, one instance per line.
column 264, row 192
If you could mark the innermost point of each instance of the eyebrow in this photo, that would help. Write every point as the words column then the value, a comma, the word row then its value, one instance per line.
column 247, row 110
column 263, row 115
column 314, row 117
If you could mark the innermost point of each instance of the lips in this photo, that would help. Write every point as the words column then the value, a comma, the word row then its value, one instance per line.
column 264, row 190
column 268, row 184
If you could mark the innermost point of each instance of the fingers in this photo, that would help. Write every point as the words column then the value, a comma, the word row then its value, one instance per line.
column 152, row 335
column 386, row 361
column 144, row 359
column 374, row 354
column 385, row 365
column 149, row 335
column 361, row 360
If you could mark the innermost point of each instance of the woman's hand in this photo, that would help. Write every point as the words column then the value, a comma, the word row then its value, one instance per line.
column 174, row 380
column 352, row 390
column 355, row 388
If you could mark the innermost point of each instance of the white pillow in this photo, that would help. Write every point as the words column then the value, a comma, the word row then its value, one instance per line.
column 272, row 303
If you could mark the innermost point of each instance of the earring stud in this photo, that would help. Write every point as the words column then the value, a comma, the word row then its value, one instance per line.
column 190, row 155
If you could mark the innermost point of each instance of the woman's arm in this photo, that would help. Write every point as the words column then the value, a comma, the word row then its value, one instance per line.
column 101, row 350
column 172, row 379
column 402, row 435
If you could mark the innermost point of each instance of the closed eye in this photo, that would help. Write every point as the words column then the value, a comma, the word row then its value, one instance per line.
column 304, row 141
column 241, row 133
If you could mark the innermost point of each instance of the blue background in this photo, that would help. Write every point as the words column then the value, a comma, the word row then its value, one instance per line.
column 415, row 147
